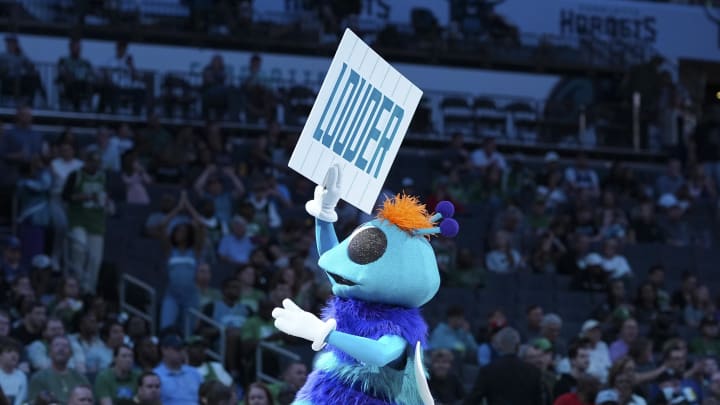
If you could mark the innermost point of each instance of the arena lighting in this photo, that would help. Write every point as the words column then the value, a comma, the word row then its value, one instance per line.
column 717, row 94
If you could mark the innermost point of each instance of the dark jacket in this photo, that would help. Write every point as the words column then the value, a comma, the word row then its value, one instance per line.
column 507, row 381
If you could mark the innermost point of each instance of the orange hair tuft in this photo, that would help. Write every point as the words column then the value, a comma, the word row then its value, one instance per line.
column 406, row 212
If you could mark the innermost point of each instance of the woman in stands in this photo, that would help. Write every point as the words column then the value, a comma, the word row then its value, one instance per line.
column 184, row 248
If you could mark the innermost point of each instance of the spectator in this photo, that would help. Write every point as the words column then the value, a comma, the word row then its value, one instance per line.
column 32, row 324
column 645, row 227
column 579, row 355
column 112, row 147
column 258, row 97
column 504, row 258
column 508, row 379
column 209, row 185
column 615, row 264
column 184, row 249
column 232, row 314
column 13, row 382
column 22, row 142
column 148, row 391
column 216, row 92
column 684, row 296
column 119, row 381
column 67, row 302
column 75, row 76
column 97, row 355
column 216, row 393
column 41, row 356
column 206, row 293
column 81, row 395
column 60, row 168
column 608, row 397
column 33, row 206
column 58, row 379
column 293, row 378
column 488, row 156
column 672, row 180
column 250, row 296
column 624, row 384
column 547, row 253
column 17, row 72
column 135, row 178
column 656, row 277
column 121, row 81
column 699, row 307
column 454, row 334
column 550, row 329
column 86, row 195
column 209, row 370
column 671, row 389
column 533, row 319
column 712, row 391
column 179, row 382
column 646, row 303
column 628, row 334
column 541, row 358
column 700, row 186
column 587, row 390
column 258, row 394
column 147, row 352
column 599, row 353
column 235, row 247
column 707, row 344
column 581, row 178
column 264, row 200
column 11, row 264
column 445, row 385
column 674, row 225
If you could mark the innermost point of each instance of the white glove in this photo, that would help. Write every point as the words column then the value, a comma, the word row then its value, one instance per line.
column 327, row 195
column 292, row 320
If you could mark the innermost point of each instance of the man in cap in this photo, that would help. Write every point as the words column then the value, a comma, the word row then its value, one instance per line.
column 86, row 195
column 180, row 383
column 209, row 370
column 599, row 353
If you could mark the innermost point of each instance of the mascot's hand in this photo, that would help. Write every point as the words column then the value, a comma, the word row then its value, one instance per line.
column 327, row 195
column 292, row 320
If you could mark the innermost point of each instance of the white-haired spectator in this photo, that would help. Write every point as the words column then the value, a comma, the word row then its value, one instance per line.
column 550, row 329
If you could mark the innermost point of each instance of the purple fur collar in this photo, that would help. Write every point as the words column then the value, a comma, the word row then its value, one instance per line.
column 372, row 320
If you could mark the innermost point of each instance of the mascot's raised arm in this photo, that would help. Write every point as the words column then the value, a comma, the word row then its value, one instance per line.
column 371, row 331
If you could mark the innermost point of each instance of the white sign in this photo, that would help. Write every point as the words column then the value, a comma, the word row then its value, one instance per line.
column 359, row 120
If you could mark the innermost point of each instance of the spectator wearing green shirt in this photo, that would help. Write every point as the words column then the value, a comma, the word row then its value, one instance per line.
column 148, row 391
column 58, row 380
column 120, row 380
column 707, row 344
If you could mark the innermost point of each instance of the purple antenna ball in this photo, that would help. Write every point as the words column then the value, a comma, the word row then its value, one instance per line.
column 449, row 227
column 445, row 208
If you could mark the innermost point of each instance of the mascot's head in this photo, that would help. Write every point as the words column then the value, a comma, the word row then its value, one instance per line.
column 389, row 260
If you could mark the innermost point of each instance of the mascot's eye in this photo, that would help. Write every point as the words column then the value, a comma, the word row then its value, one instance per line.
column 367, row 245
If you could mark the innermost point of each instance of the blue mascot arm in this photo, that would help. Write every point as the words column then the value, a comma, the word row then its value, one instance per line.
column 325, row 236
column 369, row 351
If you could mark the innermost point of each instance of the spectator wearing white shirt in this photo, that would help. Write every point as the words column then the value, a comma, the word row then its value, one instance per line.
column 13, row 381
column 599, row 353
column 581, row 178
column 111, row 148
column 60, row 168
column 38, row 354
column 97, row 355
column 121, row 80
column 503, row 258
column 488, row 156
column 616, row 265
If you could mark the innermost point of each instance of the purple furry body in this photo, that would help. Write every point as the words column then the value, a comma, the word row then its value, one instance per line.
column 369, row 320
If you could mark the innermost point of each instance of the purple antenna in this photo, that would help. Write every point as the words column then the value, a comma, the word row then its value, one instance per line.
column 445, row 208
column 449, row 227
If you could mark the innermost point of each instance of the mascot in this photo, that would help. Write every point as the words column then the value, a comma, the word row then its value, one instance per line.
column 371, row 331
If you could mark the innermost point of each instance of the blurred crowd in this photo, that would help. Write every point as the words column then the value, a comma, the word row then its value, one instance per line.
column 240, row 221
